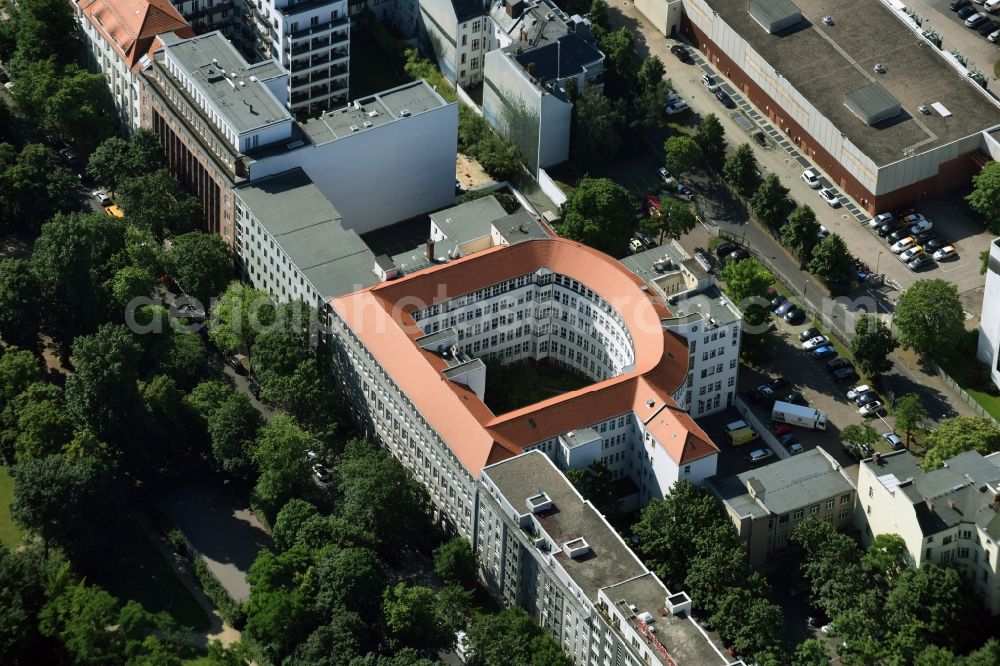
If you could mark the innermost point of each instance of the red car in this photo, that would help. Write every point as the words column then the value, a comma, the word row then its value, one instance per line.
column 780, row 429
column 649, row 202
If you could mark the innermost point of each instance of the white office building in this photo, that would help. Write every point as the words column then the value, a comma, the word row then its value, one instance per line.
column 989, row 322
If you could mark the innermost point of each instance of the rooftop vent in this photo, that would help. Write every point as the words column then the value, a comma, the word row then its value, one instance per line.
column 354, row 128
column 539, row 502
column 941, row 109
column 295, row 144
column 827, row 20
column 373, row 113
column 879, row 68
column 774, row 15
column 924, row 109
column 576, row 548
column 404, row 112
column 367, row 123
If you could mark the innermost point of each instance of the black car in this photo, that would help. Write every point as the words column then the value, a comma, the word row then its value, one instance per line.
column 925, row 236
column 865, row 398
column 887, row 228
column 726, row 100
column 838, row 363
column 796, row 398
column 795, row 316
column 236, row 363
column 255, row 389
column 726, row 248
column 761, row 139
column 899, row 234
column 681, row 52
column 778, row 383
column 935, row 243
column 920, row 262
column 955, row 5
column 817, row 619
column 809, row 334
column 844, row 375
column 777, row 301
column 737, row 255
column 966, row 11
column 788, row 440
column 852, row 453
column 986, row 27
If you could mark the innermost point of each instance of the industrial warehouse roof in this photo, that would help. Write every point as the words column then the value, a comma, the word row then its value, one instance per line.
column 872, row 103
column 824, row 63
column 307, row 227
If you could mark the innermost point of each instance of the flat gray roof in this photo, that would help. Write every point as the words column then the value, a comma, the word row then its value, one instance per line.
column 469, row 221
column 373, row 111
column 872, row 103
column 793, row 483
column 307, row 227
column 824, row 63
column 211, row 60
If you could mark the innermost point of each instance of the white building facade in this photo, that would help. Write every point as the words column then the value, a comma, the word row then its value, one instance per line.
column 988, row 350
column 460, row 34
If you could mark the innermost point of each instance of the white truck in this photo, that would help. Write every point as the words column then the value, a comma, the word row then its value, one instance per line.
column 797, row 415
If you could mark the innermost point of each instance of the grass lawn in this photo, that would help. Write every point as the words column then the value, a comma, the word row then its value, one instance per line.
column 370, row 72
column 509, row 387
column 132, row 568
column 972, row 375
column 10, row 534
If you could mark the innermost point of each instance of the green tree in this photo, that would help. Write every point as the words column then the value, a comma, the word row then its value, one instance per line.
column 910, row 414
column 280, row 455
column 349, row 579
column 740, row 170
column 598, row 213
column 958, row 435
column 156, row 203
column 79, row 108
column 683, row 154
column 872, row 346
column 746, row 280
column 597, row 484
column 770, row 203
column 667, row 530
column 801, row 232
column 885, row 556
column 411, row 619
column 206, row 397
column 811, row 652
column 751, row 623
column 108, row 165
column 45, row 29
column 23, row 592
column 305, row 395
column 831, row 261
column 334, row 644
column 711, row 138
column 43, row 428
column 284, row 344
column 455, row 561
column 233, row 428
column 19, row 369
column 857, row 434
column 102, row 394
column 597, row 128
column 82, row 618
column 238, row 316
column 33, row 190
column 652, row 92
column 621, row 62
column 183, row 357
column 985, row 195
column 720, row 565
column 58, row 500
column 672, row 219
column 128, row 283
column 928, row 314
column 511, row 637
column 289, row 522
column 20, row 305
column 201, row 263
column 277, row 620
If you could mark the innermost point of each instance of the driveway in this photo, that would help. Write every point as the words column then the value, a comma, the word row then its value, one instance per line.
column 221, row 528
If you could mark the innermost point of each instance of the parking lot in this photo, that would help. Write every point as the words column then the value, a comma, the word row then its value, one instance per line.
column 955, row 36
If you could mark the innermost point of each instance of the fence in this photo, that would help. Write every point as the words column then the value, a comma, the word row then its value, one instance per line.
column 760, row 427
column 960, row 392
column 550, row 188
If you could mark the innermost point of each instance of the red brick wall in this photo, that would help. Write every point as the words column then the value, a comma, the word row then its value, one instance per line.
column 952, row 174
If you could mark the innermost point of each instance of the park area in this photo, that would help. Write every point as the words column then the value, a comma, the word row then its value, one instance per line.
column 509, row 387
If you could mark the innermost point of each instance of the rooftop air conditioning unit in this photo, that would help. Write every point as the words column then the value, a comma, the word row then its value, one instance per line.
column 373, row 114
column 827, row 20
column 367, row 123
column 404, row 112
column 354, row 128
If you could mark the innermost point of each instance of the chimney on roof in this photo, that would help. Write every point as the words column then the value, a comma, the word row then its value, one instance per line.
column 430, row 250
column 514, row 8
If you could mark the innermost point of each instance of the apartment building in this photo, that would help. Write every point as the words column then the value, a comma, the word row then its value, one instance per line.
column 765, row 504
column 291, row 244
column 311, row 40
column 524, row 91
column 411, row 354
column 950, row 515
column 703, row 316
column 542, row 547
column 210, row 15
column 117, row 35
column 988, row 350
column 460, row 34
column 209, row 107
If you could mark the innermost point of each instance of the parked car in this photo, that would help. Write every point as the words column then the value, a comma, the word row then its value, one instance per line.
column 921, row 226
column 818, row 618
column 920, row 262
column 788, row 439
column 903, row 244
column 795, row 317
column 828, row 195
column 823, row 352
column 103, row 197
column 681, row 52
column 321, row 473
column 811, row 178
column 911, row 254
column 783, row 309
column 899, row 234
column 9, row 85
column 987, row 27
column 991, row 5
column 844, row 375
column 955, row 5
column 879, row 219
column 888, row 227
column 993, row 36
column 69, row 156
column 759, row 455
column 812, row 343
column 838, row 363
column 778, row 301
column 635, row 246
column 726, row 248
column 780, row 428
column 254, row 389
column 974, row 21
column 665, row 175
column 674, row 108
column 857, row 391
column 808, row 334
column 936, row 243
column 710, row 82
column 726, row 100
column 761, row 139
column 966, row 11
column 871, row 409
column 925, row 236
column 852, row 453
column 865, row 398
column 796, row 398
column 795, row 448
column 893, row 440
column 684, row 189
column 235, row 362
column 946, row 253
column 737, row 255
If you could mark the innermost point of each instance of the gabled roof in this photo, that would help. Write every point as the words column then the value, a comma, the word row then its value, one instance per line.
column 131, row 26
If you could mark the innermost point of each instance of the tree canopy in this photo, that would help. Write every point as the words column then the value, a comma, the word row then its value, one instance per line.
column 597, row 123
column 740, row 170
column 711, row 139
column 958, row 435
column 801, row 232
column 770, row 203
column 201, row 263
column 985, row 195
column 910, row 414
column 672, row 219
column 32, row 189
column 683, row 154
column 928, row 315
column 598, row 213
column 155, row 202
column 20, row 303
column 872, row 346
column 831, row 261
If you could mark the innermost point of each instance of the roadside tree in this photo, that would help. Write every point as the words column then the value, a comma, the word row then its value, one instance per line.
column 711, row 138
column 280, row 455
column 958, row 435
column 20, row 305
column 872, row 345
column 455, row 561
column 156, row 203
column 411, row 617
column 801, row 232
column 985, row 195
column 683, row 154
column 910, row 414
column 598, row 213
column 831, row 261
column 597, row 128
column 672, row 219
column 741, row 169
column 770, row 203
column 928, row 315
column 233, row 428
column 201, row 263
column 238, row 316
column 858, row 434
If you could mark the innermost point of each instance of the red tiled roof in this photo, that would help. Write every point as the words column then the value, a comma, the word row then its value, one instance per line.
column 380, row 317
column 131, row 26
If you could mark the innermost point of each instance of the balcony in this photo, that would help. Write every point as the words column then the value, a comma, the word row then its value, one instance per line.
column 319, row 29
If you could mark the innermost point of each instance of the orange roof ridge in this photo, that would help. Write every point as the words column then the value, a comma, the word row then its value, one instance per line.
column 131, row 26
